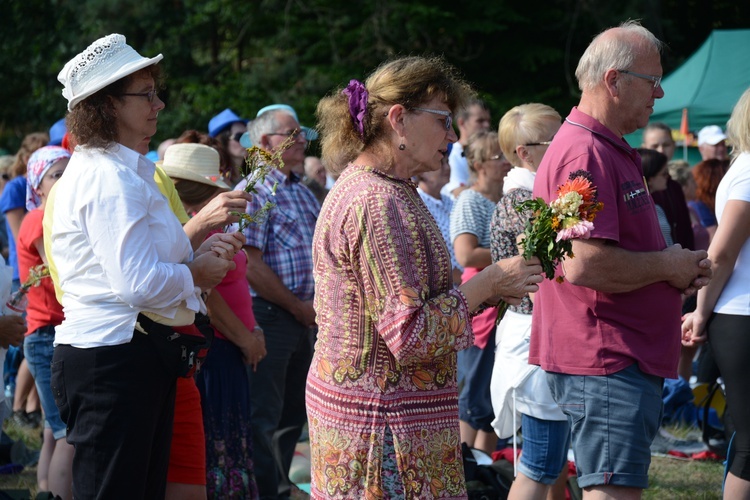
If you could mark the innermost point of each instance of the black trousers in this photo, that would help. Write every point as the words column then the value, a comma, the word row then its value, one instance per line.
column 118, row 405
column 277, row 396
column 729, row 336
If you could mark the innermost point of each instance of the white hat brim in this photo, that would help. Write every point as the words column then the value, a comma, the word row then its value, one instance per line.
column 122, row 72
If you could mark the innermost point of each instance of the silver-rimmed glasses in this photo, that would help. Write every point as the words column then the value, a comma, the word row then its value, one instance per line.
column 655, row 79
column 447, row 114
column 294, row 134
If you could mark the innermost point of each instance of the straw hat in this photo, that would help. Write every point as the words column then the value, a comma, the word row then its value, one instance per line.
column 193, row 162
column 103, row 62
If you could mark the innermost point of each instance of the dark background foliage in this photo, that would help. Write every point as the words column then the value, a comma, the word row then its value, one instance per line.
column 245, row 54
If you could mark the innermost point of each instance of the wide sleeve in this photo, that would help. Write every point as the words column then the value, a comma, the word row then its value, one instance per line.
column 116, row 220
column 396, row 250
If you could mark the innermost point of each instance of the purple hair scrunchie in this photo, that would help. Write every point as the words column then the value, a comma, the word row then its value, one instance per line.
column 358, row 95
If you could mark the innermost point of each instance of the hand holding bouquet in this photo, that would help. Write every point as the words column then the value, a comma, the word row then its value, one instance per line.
column 16, row 305
column 550, row 229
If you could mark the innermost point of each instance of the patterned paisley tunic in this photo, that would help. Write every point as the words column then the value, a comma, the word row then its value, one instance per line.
column 390, row 325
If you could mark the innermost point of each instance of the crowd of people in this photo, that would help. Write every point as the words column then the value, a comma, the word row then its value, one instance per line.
column 175, row 352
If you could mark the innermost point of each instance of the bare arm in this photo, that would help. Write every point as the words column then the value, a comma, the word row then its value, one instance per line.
column 607, row 268
column 252, row 344
column 509, row 279
column 39, row 245
column 215, row 215
column 469, row 253
column 731, row 235
column 711, row 230
column 269, row 286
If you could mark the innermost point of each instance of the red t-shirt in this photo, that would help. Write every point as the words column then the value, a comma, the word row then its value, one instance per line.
column 43, row 308
column 578, row 330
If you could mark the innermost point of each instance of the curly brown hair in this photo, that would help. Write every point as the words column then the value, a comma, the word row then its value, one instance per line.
column 93, row 121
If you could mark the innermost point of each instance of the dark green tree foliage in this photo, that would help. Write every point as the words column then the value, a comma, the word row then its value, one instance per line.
column 247, row 54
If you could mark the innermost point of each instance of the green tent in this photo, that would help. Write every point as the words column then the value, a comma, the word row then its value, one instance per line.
column 708, row 84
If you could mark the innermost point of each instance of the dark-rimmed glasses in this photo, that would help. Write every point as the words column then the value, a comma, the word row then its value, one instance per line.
column 655, row 79
column 294, row 134
column 540, row 143
column 447, row 114
column 148, row 95
column 237, row 136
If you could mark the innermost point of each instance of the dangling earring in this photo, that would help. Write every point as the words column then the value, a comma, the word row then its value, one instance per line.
column 401, row 146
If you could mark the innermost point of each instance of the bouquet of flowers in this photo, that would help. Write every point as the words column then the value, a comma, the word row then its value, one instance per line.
column 258, row 164
column 549, row 231
column 17, row 302
column 551, row 227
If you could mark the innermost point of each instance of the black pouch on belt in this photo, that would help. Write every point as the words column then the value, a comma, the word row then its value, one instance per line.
column 177, row 346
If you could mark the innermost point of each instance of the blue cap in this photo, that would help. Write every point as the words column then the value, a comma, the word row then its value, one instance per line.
column 223, row 120
column 153, row 156
column 57, row 132
column 310, row 133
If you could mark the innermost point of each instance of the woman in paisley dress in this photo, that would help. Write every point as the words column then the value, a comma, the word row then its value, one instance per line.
column 381, row 393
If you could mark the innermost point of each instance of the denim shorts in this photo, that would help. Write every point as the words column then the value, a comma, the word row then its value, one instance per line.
column 545, row 448
column 474, row 402
column 614, row 418
column 38, row 349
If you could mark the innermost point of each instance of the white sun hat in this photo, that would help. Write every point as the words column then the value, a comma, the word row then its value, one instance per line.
column 193, row 162
column 103, row 62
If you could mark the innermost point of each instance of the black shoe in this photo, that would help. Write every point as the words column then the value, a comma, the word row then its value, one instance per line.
column 34, row 419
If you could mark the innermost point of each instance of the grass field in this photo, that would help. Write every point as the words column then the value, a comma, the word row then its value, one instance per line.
column 670, row 478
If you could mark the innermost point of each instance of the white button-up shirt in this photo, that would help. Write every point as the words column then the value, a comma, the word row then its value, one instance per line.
column 118, row 248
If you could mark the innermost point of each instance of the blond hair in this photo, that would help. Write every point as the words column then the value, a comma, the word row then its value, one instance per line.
column 738, row 126
column 409, row 81
column 524, row 124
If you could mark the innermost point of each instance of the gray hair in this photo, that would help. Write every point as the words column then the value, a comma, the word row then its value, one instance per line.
column 614, row 52
column 265, row 123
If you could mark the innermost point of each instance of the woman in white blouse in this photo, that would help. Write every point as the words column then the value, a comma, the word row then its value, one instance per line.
column 119, row 251
column 722, row 315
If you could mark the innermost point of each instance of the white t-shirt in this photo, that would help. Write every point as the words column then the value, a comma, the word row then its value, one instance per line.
column 118, row 248
column 459, row 170
column 735, row 297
